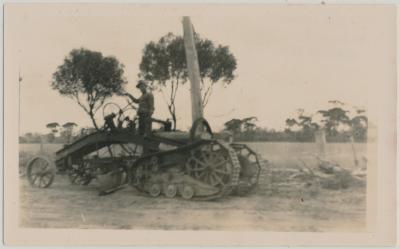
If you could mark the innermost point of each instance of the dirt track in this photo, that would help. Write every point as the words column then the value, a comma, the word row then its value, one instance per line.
column 270, row 208
column 69, row 206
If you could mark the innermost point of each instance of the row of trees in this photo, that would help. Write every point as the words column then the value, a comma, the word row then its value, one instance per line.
column 89, row 78
column 57, row 134
column 339, row 125
column 64, row 132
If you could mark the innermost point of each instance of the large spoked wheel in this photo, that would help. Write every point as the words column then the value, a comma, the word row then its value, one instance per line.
column 200, row 130
column 40, row 172
column 210, row 164
column 112, row 108
column 79, row 177
column 120, row 113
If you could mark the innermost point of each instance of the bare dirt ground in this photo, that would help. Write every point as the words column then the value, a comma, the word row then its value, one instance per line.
column 269, row 208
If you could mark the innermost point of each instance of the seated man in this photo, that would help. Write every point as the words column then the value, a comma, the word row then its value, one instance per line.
column 109, row 124
column 131, row 124
column 146, row 108
column 167, row 125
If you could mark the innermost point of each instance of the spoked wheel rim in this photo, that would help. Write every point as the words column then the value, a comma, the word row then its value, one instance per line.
column 111, row 108
column 78, row 179
column 211, row 165
column 40, row 172
column 79, row 176
column 122, row 113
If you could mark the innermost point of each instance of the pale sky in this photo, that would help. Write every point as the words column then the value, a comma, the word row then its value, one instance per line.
column 288, row 57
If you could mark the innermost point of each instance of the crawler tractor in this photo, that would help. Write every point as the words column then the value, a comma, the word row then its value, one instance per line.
column 193, row 165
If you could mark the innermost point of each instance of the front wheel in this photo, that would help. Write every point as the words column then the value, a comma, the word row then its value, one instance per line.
column 40, row 172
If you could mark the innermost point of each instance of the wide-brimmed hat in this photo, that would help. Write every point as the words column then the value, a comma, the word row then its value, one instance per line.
column 141, row 82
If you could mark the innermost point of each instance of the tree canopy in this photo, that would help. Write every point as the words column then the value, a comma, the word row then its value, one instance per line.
column 52, row 125
column 67, row 131
column 333, row 118
column 89, row 78
column 164, row 65
column 238, row 125
column 69, row 125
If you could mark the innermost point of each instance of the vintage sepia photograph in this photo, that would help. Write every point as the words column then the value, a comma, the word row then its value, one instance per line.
column 256, row 118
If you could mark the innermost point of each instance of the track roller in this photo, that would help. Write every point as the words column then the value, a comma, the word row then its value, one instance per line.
column 170, row 190
column 187, row 192
column 155, row 190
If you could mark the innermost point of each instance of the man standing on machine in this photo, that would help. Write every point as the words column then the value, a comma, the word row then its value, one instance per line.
column 146, row 107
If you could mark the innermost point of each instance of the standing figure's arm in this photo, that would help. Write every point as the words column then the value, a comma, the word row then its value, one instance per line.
column 135, row 100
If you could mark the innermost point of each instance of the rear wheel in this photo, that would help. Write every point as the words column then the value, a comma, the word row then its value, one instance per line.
column 78, row 178
column 78, row 174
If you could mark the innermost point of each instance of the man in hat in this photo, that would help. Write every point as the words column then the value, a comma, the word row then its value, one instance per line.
column 146, row 107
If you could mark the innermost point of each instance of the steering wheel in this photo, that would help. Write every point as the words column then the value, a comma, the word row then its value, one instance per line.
column 120, row 113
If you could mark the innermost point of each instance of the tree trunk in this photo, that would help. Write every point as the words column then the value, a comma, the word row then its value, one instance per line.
column 171, row 109
column 174, row 120
column 97, row 128
column 93, row 120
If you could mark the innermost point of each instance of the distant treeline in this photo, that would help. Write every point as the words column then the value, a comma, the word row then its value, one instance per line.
column 264, row 135
column 35, row 138
column 256, row 135
column 338, row 123
column 57, row 136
